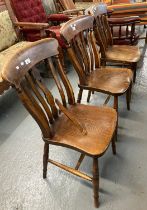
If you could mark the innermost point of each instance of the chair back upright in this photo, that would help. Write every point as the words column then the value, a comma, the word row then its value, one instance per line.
column 102, row 30
column 20, row 72
column 28, row 10
column 66, row 4
column 81, row 46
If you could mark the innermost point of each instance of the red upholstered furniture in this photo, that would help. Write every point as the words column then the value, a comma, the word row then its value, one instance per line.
column 30, row 11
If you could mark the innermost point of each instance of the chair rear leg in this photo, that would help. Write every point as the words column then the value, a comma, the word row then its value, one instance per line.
column 128, row 99
column 80, row 96
column 80, row 161
column 89, row 95
column 95, row 182
column 116, row 108
column 134, row 68
column 45, row 159
column 113, row 143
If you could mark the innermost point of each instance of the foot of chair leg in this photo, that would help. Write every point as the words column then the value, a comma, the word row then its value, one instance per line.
column 45, row 159
column 89, row 95
column 95, row 181
column 80, row 96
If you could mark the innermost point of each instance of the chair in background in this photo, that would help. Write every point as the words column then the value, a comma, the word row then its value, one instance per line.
column 119, row 54
column 84, row 54
column 83, row 128
column 122, row 29
column 10, row 43
column 30, row 17
column 69, row 7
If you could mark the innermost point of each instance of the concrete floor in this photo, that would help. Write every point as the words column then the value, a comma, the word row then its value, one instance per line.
column 123, row 178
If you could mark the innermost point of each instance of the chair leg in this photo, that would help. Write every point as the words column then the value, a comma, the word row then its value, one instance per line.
column 116, row 108
column 113, row 143
column 80, row 161
column 45, row 159
column 80, row 96
column 95, row 182
column 89, row 95
column 128, row 98
column 134, row 68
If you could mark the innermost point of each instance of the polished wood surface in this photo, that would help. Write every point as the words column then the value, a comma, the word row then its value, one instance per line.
column 84, row 128
column 84, row 54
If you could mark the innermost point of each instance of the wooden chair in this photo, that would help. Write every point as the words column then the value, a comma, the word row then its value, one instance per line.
column 72, row 7
column 68, row 7
column 83, row 128
column 119, row 54
column 84, row 54
column 122, row 29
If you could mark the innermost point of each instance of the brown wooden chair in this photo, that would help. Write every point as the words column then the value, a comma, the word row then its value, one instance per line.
column 119, row 54
column 83, row 128
column 84, row 54
column 69, row 7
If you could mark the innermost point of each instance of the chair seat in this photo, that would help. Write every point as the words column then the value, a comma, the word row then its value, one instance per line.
column 100, row 123
column 123, row 53
column 110, row 80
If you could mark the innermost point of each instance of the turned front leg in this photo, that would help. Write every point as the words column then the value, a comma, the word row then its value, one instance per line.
column 95, row 182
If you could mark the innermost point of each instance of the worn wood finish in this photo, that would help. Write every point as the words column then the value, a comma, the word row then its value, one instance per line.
column 124, row 54
column 68, row 7
column 83, row 128
column 83, row 52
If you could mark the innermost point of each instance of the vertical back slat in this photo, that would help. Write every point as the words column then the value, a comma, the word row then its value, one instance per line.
column 61, row 91
column 67, row 85
column 33, row 107
column 40, row 98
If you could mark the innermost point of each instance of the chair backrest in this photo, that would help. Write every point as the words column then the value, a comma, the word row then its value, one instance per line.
column 66, row 4
column 81, row 45
column 7, row 33
column 20, row 71
column 101, row 26
column 28, row 10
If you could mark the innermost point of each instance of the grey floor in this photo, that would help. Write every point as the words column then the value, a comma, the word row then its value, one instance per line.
column 123, row 178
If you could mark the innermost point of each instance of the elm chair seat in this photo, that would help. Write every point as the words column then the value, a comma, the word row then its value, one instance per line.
column 123, row 53
column 110, row 80
column 99, row 123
